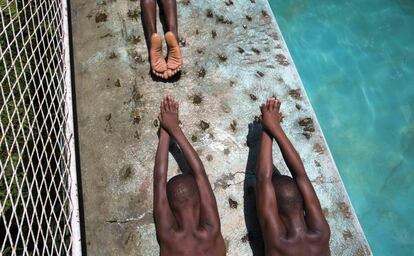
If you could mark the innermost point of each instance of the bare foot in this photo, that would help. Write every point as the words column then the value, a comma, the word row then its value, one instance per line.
column 158, row 64
column 175, row 60
column 169, row 114
column 271, row 115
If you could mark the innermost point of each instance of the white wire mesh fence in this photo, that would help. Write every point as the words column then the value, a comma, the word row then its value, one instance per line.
column 38, row 199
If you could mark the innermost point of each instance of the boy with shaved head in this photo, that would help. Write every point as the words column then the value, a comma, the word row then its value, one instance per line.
column 289, row 211
column 185, row 209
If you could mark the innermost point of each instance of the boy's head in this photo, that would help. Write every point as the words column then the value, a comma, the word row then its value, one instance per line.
column 182, row 192
column 289, row 198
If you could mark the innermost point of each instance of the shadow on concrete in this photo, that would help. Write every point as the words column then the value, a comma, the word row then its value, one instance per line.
column 179, row 158
column 254, row 235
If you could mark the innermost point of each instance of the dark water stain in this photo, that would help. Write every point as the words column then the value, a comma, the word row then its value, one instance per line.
column 213, row 34
column 233, row 203
column 101, row 17
column 295, row 93
column 196, row 99
column 202, row 72
column 204, row 125
column 282, row 60
column 307, row 124
column 134, row 13
column 233, row 125
column 209, row 13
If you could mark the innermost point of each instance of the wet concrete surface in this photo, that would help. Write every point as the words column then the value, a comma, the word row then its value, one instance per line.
column 234, row 58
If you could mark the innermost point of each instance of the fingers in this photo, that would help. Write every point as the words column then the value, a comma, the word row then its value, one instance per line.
column 272, row 104
column 262, row 107
column 162, row 108
column 169, row 107
column 278, row 104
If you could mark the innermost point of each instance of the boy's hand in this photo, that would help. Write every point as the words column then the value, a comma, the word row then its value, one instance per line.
column 169, row 114
column 271, row 115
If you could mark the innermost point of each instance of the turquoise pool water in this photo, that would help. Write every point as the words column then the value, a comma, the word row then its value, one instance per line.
column 356, row 60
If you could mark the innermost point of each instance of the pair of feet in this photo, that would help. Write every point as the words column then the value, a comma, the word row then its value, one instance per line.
column 165, row 67
column 271, row 115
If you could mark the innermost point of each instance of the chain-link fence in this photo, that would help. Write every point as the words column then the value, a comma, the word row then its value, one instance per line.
column 38, row 192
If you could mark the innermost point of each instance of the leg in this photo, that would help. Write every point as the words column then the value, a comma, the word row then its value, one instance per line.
column 158, row 64
column 169, row 8
column 175, row 60
column 149, row 12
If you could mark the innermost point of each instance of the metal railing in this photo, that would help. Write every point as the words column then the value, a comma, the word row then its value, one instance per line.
column 38, row 189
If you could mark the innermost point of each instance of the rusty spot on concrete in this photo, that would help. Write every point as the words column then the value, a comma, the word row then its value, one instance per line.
column 255, row 50
column 112, row 55
column 318, row 148
column 125, row 173
column 307, row 124
column 223, row 20
column 209, row 157
column 259, row 74
column 100, row 17
column 345, row 210
column 233, row 125
column 226, row 151
column 223, row 181
column 228, row 2
column 245, row 238
column 233, row 203
column 213, row 34
column 194, row 138
column 282, row 60
column 134, row 13
column 204, row 125
column 222, row 57
column 136, row 117
column 346, row 234
column 209, row 13
column 196, row 99
column 295, row 93
column 307, row 135
column 202, row 72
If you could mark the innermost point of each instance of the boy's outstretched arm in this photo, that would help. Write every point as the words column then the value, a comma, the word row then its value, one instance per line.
column 164, row 218
column 169, row 120
column 267, row 209
column 314, row 216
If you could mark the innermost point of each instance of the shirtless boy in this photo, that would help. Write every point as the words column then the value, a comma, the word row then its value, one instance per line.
column 289, row 211
column 185, row 209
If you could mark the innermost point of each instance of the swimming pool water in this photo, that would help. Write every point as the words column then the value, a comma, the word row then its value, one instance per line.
column 356, row 60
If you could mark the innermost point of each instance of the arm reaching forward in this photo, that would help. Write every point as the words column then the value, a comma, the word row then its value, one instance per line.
column 271, row 122
column 169, row 121
column 164, row 218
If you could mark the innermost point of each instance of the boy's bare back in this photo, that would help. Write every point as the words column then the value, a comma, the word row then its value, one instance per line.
column 185, row 209
column 289, row 211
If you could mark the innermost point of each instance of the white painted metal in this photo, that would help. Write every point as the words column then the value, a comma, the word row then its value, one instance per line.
column 39, row 213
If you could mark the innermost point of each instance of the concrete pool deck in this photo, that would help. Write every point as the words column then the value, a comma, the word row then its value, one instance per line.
column 235, row 58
